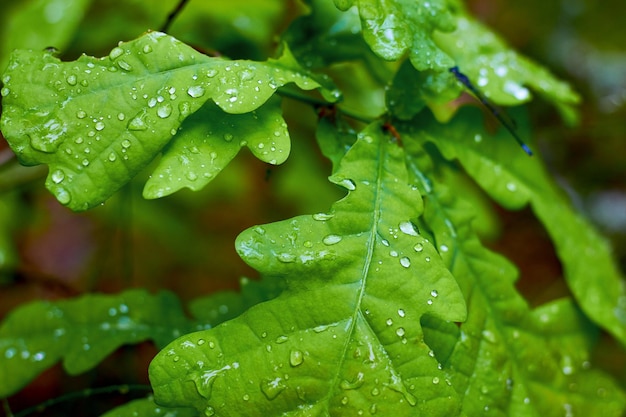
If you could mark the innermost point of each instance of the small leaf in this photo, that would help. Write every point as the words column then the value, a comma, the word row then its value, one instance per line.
column 210, row 139
column 82, row 332
column 146, row 407
column 98, row 122
column 345, row 333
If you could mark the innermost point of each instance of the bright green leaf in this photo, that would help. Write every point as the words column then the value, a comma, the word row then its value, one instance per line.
column 98, row 122
column 514, row 180
column 82, row 332
column 210, row 139
column 506, row 359
column 146, row 407
column 345, row 334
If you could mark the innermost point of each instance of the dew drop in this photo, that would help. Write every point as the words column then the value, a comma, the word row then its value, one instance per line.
column 435, row 380
column 164, row 111
column 286, row 257
column 400, row 331
column 195, row 91
column 331, row 239
column 138, row 122
column 511, row 187
column 427, row 259
column 112, row 157
column 99, row 126
column 85, row 162
column 63, row 196
column 126, row 144
column 434, row 293
column 147, row 49
column 409, row 229
column 322, row 216
column 296, row 358
column 418, row 247
column 271, row 388
column 211, row 73
column 58, row 176
column 405, row 262
column 125, row 65
column 81, row 114
column 401, row 312
column 209, row 411
column 71, row 80
column 116, row 53
column 389, row 322
column 349, row 184
column 191, row 176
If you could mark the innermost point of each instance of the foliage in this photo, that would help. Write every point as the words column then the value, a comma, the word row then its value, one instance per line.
column 385, row 303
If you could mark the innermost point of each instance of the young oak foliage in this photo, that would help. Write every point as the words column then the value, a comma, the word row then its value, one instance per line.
column 345, row 336
column 506, row 358
column 98, row 121
column 82, row 332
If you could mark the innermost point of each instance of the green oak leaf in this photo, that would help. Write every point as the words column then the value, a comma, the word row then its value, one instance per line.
column 210, row 139
column 146, row 407
column 82, row 332
column 391, row 28
column 506, row 359
column 498, row 71
column 98, row 121
column 344, row 337
column 514, row 180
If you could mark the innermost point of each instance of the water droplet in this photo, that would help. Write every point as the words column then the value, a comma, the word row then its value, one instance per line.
column 401, row 312
column 71, row 79
column 209, row 411
column 427, row 259
column 271, row 388
column 138, row 122
column 389, row 322
column 405, row 262
column 418, row 247
column 435, row 380
column 99, row 126
column 147, row 49
column 81, row 114
column 63, row 196
column 356, row 383
column 434, row 293
column 164, row 111
column 191, row 176
column 296, row 358
column 126, row 144
column 331, row 239
column 185, row 110
column 125, row 65
column 112, row 157
column 281, row 339
column 116, row 53
column 195, row 91
column 512, row 187
column 286, row 257
column 409, row 229
column 349, row 184
column 211, row 73
column 322, row 216
column 85, row 162
column 400, row 331
column 57, row 176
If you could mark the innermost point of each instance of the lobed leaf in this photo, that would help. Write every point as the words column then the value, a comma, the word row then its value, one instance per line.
column 344, row 337
column 391, row 28
column 146, row 407
column 98, row 122
column 82, row 332
column 506, row 359
column 514, row 180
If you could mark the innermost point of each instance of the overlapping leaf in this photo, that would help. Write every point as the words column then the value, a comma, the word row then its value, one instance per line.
column 506, row 359
column 391, row 28
column 146, row 407
column 82, row 332
column 344, row 338
column 97, row 122
column 514, row 180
